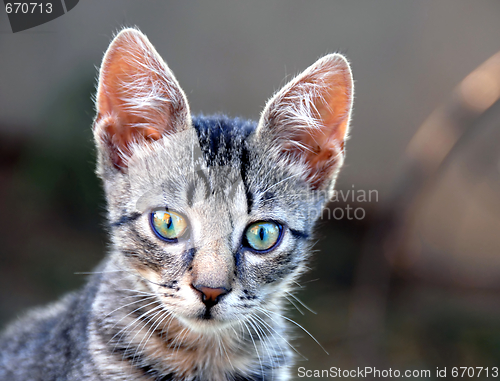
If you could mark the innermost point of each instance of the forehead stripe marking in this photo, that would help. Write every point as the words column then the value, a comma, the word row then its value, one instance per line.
column 245, row 162
column 190, row 193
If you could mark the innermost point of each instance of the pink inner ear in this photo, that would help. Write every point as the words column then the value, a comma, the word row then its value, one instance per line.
column 328, row 88
column 119, row 135
column 138, row 98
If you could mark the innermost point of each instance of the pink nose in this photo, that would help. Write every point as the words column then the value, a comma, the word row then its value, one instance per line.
column 210, row 295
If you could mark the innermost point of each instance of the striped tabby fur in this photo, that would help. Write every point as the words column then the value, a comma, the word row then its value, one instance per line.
column 141, row 315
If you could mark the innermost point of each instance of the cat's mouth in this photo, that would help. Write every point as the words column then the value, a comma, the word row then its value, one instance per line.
column 203, row 325
column 205, row 322
column 207, row 315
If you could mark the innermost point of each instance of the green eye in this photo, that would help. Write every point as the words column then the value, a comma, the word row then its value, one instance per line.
column 262, row 236
column 168, row 225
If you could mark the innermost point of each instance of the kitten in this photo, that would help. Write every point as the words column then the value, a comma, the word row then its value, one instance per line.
column 210, row 221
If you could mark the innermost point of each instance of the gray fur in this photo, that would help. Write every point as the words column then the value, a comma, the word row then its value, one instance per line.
column 139, row 318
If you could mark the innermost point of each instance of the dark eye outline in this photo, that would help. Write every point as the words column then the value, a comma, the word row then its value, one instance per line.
column 169, row 240
column 247, row 245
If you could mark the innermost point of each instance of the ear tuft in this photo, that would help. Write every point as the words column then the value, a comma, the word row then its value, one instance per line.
column 308, row 120
column 138, row 98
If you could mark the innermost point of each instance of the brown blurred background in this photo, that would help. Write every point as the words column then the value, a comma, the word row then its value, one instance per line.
column 413, row 285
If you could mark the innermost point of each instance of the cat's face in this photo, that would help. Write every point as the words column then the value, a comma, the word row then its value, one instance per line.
column 215, row 215
column 214, row 239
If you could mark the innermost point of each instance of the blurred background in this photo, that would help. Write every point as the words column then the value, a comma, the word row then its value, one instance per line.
column 413, row 284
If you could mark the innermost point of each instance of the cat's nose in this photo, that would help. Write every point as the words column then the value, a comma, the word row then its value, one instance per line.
column 211, row 296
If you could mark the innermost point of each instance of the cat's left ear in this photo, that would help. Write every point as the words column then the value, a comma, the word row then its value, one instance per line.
column 308, row 120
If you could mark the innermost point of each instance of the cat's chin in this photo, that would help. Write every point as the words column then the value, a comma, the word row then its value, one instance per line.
column 205, row 325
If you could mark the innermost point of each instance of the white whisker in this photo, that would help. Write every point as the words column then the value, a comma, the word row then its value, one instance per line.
column 301, row 303
column 293, row 304
column 297, row 324
column 255, row 346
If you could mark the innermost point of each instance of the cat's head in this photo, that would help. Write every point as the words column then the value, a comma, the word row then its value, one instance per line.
column 215, row 215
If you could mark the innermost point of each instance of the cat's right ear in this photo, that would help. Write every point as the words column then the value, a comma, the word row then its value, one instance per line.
column 138, row 98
